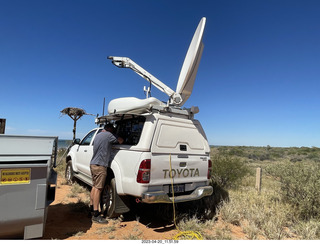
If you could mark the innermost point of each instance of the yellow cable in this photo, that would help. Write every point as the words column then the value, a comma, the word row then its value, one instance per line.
column 188, row 235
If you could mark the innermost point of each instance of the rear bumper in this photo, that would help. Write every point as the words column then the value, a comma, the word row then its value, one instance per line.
column 162, row 197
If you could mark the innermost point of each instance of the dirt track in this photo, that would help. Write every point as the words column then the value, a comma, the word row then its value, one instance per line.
column 68, row 219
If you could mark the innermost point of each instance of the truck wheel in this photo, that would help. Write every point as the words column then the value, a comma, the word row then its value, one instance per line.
column 69, row 173
column 107, row 202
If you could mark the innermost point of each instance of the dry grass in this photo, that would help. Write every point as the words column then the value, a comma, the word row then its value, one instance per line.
column 110, row 228
column 134, row 234
column 257, row 214
column 268, row 215
column 77, row 189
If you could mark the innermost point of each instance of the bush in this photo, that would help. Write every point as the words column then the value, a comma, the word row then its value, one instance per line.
column 300, row 184
column 227, row 171
column 257, row 214
column 309, row 230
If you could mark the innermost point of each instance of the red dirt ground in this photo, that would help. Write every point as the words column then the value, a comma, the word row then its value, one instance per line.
column 64, row 223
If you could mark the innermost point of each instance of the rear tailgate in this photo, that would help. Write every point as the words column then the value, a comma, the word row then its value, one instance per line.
column 180, row 152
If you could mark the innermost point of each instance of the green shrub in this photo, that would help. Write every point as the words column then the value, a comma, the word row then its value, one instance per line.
column 237, row 151
column 300, row 184
column 227, row 171
column 260, row 156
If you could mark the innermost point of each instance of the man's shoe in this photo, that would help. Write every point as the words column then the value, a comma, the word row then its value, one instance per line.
column 99, row 219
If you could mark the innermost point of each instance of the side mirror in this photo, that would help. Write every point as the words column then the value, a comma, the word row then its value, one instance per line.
column 76, row 141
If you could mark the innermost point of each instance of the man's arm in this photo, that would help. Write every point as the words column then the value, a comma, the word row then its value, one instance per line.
column 115, row 139
column 120, row 140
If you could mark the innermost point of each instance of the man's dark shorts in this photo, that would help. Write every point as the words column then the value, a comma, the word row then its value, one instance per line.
column 99, row 175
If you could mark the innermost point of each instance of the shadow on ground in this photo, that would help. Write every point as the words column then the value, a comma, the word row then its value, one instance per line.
column 66, row 220
column 161, row 216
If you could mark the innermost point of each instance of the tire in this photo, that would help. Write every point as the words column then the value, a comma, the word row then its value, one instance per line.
column 69, row 175
column 107, row 201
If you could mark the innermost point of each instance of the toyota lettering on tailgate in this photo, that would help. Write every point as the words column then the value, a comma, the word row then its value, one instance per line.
column 180, row 173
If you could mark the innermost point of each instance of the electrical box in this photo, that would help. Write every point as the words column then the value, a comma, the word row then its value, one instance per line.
column 27, row 184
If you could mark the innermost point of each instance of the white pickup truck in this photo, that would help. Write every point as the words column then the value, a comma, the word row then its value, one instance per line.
column 165, row 154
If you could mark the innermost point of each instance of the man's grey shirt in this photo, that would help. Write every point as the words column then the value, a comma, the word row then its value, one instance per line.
column 102, row 146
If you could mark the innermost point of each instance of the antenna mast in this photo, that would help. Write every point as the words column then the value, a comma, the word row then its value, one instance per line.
column 123, row 62
column 104, row 104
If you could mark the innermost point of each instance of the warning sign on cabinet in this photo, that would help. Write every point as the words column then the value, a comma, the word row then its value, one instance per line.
column 15, row 176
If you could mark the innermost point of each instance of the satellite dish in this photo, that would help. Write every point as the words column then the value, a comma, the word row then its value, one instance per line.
column 186, row 79
column 191, row 63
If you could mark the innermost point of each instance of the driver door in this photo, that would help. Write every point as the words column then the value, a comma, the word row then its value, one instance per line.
column 85, row 152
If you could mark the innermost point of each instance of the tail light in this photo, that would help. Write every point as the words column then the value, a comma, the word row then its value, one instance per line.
column 209, row 169
column 144, row 171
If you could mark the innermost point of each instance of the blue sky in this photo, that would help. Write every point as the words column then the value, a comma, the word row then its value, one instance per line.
column 258, row 82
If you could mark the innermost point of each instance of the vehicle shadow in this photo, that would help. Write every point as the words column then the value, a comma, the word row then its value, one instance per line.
column 66, row 220
column 162, row 217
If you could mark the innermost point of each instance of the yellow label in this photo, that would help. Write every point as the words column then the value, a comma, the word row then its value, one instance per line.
column 15, row 176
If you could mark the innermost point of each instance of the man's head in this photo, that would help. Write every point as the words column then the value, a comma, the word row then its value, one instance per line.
column 109, row 127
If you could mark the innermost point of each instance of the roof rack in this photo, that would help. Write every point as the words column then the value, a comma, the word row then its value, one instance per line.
column 188, row 112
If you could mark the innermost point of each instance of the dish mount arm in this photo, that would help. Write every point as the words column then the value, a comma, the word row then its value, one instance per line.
column 123, row 62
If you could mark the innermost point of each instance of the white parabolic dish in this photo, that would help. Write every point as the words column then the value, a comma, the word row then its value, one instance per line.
column 184, row 86
column 191, row 63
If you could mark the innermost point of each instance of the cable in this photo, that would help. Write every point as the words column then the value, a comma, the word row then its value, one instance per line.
column 188, row 235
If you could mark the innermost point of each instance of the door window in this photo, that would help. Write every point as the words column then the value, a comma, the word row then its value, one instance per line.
column 87, row 140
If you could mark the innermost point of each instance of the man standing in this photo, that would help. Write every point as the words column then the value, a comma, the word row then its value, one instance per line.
column 100, row 161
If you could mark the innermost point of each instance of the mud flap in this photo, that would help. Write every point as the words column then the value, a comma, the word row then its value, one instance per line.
column 121, row 204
